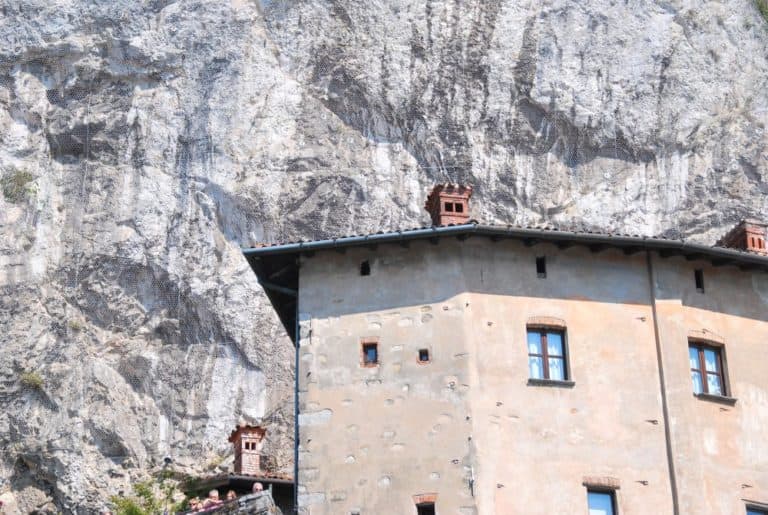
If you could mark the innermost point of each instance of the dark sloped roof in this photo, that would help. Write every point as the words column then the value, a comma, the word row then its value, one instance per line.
column 277, row 269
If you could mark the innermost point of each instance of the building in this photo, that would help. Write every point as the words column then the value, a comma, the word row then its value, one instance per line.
column 250, row 466
column 470, row 368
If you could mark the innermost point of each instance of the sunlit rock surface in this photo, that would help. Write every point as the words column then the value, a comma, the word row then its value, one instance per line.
column 142, row 143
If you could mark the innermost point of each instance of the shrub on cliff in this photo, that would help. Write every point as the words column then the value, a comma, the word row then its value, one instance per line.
column 14, row 185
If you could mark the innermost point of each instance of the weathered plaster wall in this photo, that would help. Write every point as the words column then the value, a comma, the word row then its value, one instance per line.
column 469, row 302
column 720, row 451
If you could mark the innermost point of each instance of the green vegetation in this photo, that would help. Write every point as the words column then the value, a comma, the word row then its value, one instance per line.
column 762, row 6
column 151, row 497
column 14, row 185
column 31, row 380
column 75, row 325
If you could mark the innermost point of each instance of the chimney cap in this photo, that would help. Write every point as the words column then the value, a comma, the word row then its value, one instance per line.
column 748, row 235
column 240, row 429
column 448, row 203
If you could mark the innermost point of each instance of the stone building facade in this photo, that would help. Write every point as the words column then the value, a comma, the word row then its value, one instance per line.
column 469, row 368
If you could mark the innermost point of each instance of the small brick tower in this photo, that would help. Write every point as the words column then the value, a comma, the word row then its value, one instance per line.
column 449, row 204
column 748, row 235
column 247, row 441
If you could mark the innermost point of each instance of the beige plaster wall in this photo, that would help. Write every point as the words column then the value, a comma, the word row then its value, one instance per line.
column 720, row 451
column 470, row 428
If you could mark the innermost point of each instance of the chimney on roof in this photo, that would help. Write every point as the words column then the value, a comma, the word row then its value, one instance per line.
column 247, row 441
column 449, row 204
column 749, row 235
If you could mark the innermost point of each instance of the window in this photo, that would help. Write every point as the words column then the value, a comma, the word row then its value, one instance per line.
column 449, row 207
column 365, row 268
column 706, row 364
column 601, row 502
column 541, row 267
column 370, row 354
column 698, row 276
column 427, row 508
column 546, row 354
column 423, row 355
column 756, row 511
column 459, row 207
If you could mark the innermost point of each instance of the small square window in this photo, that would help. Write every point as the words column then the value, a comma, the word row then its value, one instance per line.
column 547, row 354
column 459, row 207
column 424, row 355
column 541, row 267
column 449, row 207
column 370, row 354
column 707, row 372
column 601, row 502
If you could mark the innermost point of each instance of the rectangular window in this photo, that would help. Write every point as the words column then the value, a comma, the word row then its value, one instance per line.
column 706, row 364
column 370, row 354
column 546, row 354
column 698, row 276
column 601, row 502
column 449, row 207
column 459, row 207
column 541, row 267
column 423, row 355
column 756, row 511
column 427, row 508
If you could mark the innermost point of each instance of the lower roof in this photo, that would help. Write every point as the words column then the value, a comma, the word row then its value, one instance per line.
column 276, row 266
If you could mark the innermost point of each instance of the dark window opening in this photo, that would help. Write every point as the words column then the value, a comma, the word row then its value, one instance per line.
column 699, row 277
column 370, row 354
column 541, row 267
column 449, row 207
column 756, row 511
column 427, row 508
column 546, row 354
column 601, row 502
column 423, row 355
column 365, row 268
column 459, row 208
column 707, row 371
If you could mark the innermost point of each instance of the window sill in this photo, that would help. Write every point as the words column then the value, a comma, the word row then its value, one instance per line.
column 722, row 399
column 550, row 382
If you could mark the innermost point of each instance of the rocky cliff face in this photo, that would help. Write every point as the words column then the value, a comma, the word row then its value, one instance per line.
column 142, row 143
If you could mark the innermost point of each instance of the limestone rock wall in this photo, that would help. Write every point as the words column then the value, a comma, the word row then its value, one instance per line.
column 142, row 143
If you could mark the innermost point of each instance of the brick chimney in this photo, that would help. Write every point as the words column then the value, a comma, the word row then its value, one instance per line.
column 247, row 441
column 749, row 235
column 449, row 204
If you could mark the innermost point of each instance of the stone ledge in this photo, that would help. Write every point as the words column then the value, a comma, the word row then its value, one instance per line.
column 551, row 382
column 722, row 399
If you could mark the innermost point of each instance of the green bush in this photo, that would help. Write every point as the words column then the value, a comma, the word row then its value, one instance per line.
column 762, row 6
column 75, row 325
column 145, row 502
column 31, row 380
column 14, row 185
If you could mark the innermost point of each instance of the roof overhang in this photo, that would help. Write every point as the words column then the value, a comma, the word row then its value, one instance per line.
column 277, row 266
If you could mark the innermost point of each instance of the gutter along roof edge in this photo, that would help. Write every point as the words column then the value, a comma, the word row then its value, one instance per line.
column 543, row 235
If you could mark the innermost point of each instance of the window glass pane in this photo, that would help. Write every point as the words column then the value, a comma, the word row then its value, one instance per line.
column 696, row 377
column 556, row 369
column 713, row 384
column 755, row 512
column 555, row 344
column 536, row 367
column 600, row 503
column 710, row 360
column 534, row 343
column 693, row 357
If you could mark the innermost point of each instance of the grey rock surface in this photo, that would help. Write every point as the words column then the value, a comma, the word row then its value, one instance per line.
column 142, row 143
